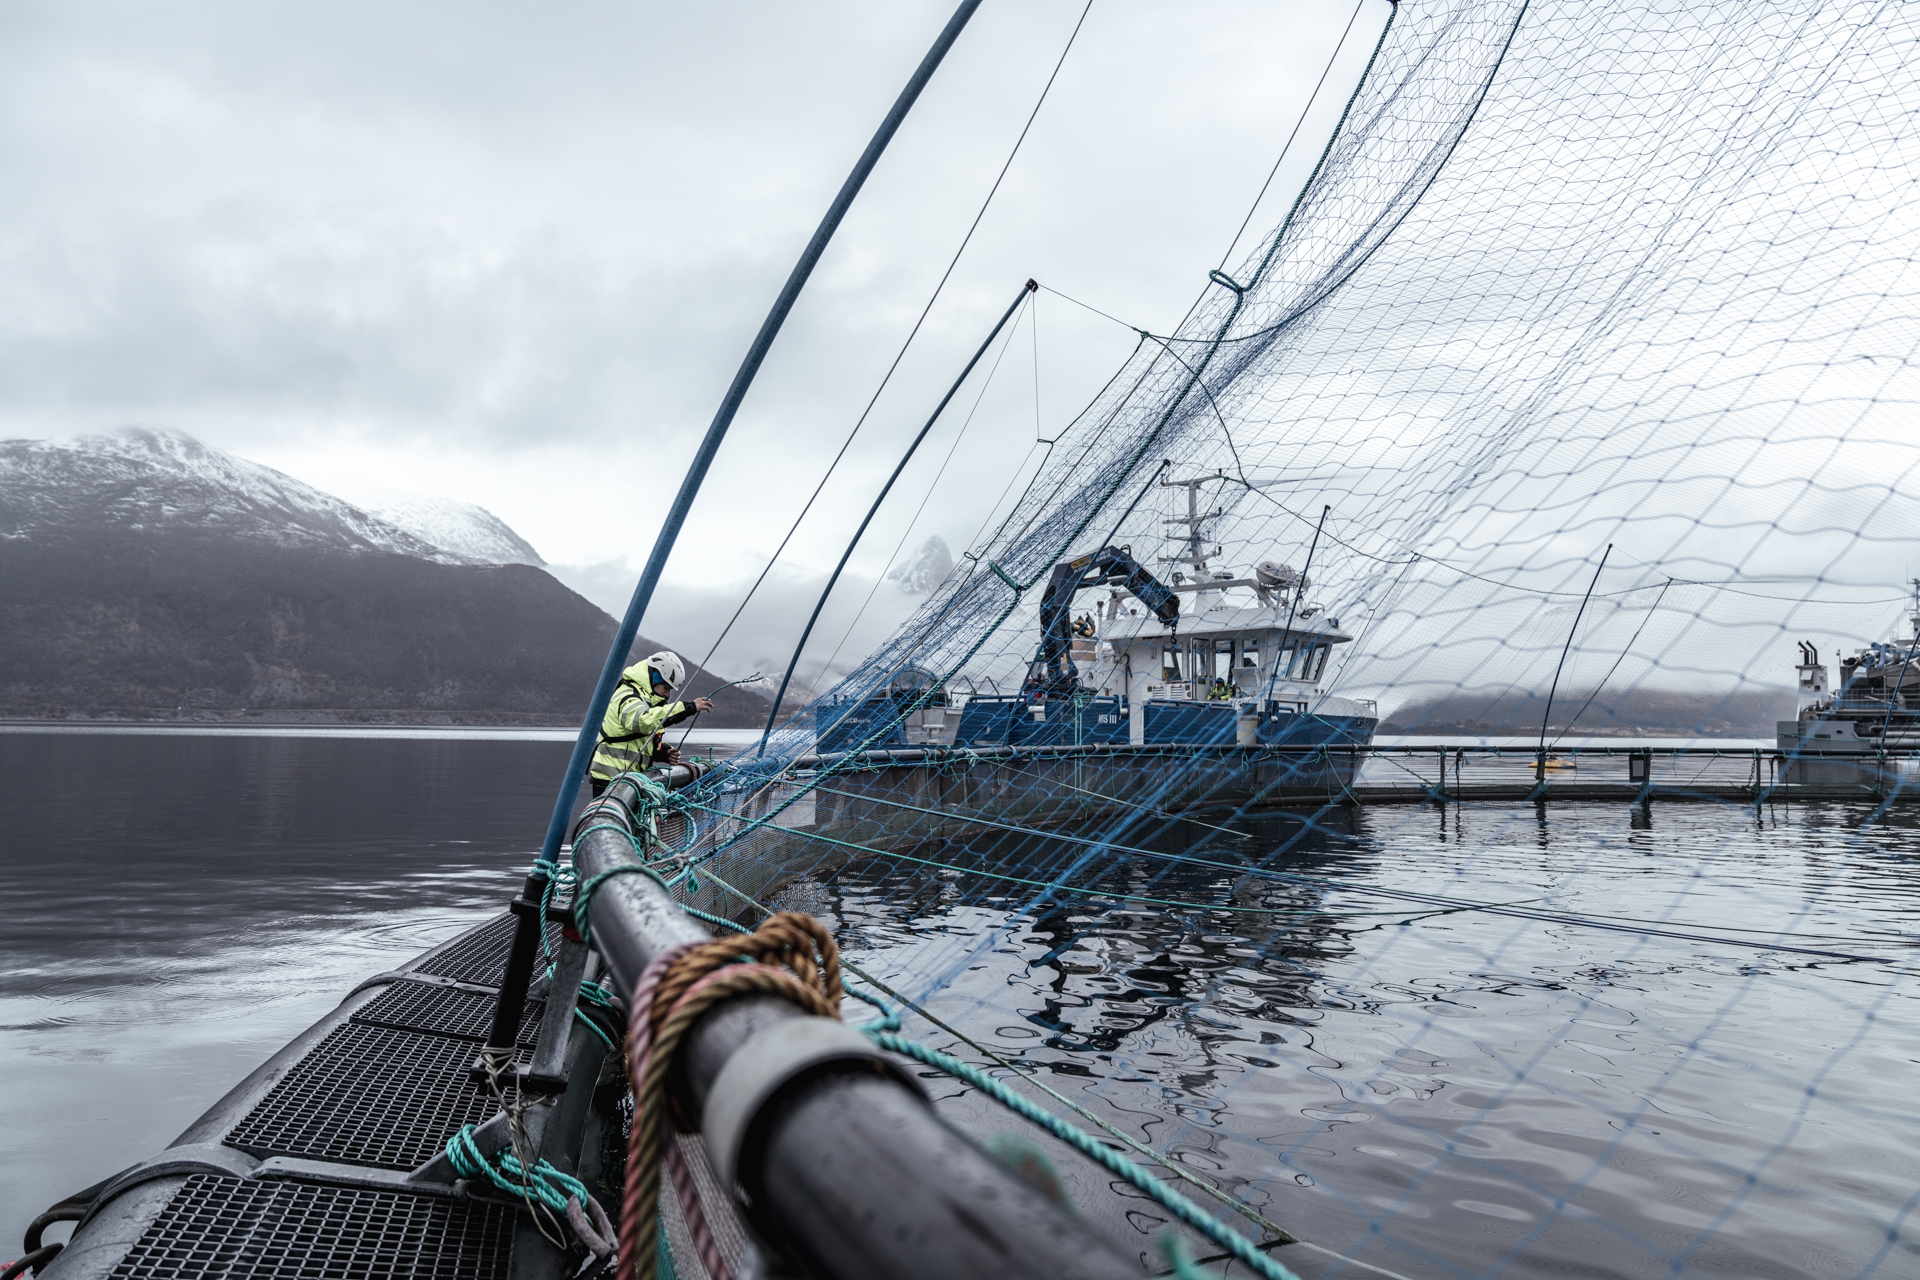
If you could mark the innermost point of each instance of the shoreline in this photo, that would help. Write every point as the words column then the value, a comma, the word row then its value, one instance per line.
column 699, row 737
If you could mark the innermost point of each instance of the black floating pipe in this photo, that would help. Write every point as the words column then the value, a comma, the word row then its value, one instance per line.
column 848, row 1170
column 513, row 985
column 807, row 631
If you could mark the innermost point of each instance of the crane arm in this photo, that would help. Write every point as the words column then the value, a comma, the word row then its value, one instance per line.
column 1054, row 671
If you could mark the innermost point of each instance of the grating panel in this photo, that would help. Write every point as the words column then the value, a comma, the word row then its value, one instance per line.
column 480, row 955
column 442, row 1011
column 368, row 1095
column 239, row 1230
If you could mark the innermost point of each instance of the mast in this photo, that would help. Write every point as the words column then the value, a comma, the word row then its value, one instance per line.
column 1195, row 520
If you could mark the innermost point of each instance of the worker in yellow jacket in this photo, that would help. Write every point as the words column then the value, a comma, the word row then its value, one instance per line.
column 633, row 729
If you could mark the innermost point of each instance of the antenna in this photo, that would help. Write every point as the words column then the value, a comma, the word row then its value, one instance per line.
column 1196, row 520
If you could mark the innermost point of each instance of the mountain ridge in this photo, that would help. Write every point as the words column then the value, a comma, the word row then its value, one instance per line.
column 150, row 574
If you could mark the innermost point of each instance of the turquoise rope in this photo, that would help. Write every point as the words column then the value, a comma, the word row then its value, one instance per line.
column 594, row 993
column 720, row 921
column 882, row 1032
column 1181, row 1207
column 547, row 1184
column 600, row 1035
column 583, row 896
column 1182, row 1266
column 560, row 875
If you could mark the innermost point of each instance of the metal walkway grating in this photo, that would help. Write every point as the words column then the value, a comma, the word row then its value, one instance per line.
column 480, row 955
column 368, row 1095
column 238, row 1230
column 443, row 1011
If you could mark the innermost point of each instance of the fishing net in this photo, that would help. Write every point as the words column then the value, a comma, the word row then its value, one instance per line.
column 1575, row 389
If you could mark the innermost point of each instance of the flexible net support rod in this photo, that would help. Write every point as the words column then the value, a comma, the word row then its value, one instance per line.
column 716, row 432
column 773, row 713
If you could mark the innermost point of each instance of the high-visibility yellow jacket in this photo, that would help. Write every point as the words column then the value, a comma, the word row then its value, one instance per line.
column 632, row 725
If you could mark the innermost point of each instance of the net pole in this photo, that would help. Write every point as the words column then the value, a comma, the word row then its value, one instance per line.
column 1540, row 759
column 703, row 459
column 773, row 714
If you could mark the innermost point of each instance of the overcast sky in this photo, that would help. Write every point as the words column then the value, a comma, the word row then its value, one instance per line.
column 512, row 253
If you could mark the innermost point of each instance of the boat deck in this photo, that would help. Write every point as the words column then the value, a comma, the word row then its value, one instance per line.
column 302, row 1170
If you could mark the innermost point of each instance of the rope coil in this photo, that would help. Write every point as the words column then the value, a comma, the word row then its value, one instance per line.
column 791, row 956
column 561, row 1192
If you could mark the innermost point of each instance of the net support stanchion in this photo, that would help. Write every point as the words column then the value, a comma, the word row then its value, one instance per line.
column 512, row 1000
column 527, row 936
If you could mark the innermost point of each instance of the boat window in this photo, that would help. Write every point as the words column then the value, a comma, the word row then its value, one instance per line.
column 1317, row 660
column 1170, row 663
column 1250, row 653
column 1223, row 660
column 1283, row 660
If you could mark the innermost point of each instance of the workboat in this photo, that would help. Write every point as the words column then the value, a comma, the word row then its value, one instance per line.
column 1844, row 734
column 1213, row 658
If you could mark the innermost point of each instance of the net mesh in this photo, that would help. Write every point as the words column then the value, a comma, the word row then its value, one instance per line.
column 1574, row 389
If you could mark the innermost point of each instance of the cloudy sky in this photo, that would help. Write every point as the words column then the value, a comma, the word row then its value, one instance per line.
column 512, row 253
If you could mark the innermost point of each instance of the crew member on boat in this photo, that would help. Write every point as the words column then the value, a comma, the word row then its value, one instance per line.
column 632, row 732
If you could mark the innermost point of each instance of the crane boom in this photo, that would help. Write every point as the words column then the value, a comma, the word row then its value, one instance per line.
column 1053, row 671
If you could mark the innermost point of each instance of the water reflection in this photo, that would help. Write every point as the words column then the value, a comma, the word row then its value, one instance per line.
column 1443, row 1091
column 180, row 906
column 1459, row 1091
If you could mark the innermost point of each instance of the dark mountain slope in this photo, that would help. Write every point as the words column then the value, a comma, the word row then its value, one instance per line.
column 144, row 573
column 156, row 621
column 1644, row 711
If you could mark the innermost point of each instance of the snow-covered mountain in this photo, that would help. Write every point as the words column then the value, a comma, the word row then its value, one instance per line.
column 459, row 528
column 145, row 574
column 925, row 569
column 145, row 479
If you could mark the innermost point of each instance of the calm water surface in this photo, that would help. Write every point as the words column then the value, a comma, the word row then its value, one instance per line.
column 1441, row 1094
column 179, row 906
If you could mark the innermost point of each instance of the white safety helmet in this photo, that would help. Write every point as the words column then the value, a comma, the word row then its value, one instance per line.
column 667, row 665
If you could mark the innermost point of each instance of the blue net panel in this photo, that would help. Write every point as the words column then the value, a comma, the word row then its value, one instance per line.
column 1495, row 865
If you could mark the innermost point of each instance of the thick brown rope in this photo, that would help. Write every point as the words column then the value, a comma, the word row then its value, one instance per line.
column 685, row 983
column 789, row 938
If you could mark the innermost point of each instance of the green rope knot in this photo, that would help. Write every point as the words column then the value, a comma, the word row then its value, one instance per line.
column 546, row 1184
column 583, row 896
column 652, row 800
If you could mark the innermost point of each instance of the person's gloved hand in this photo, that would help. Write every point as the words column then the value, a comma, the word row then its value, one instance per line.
column 670, row 755
column 701, row 704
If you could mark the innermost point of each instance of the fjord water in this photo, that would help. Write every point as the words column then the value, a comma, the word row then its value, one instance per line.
column 180, row 905
column 1442, row 1094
